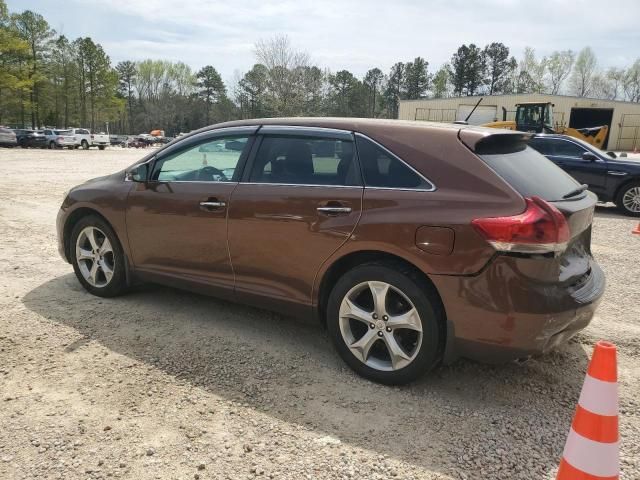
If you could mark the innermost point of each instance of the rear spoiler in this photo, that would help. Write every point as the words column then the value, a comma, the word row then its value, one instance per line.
column 483, row 141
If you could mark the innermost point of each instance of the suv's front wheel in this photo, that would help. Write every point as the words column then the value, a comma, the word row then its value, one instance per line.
column 97, row 257
column 385, row 323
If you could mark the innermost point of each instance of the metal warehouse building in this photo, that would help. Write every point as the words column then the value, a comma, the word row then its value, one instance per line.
column 623, row 118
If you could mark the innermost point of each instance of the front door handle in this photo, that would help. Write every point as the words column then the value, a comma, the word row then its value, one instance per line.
column 212, row 205
column 334, row 210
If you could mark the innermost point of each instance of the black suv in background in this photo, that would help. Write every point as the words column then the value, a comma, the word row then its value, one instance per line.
column 614, row 180
column 30, row 138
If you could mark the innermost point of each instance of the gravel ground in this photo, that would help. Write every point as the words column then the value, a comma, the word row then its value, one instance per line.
column 169, row 385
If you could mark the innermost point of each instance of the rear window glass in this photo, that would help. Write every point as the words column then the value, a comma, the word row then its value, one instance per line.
column 530, row 173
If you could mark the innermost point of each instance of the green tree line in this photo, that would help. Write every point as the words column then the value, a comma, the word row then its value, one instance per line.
column 49, row 79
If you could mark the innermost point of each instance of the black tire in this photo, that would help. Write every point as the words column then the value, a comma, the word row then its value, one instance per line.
column 620, row 196
column 101, row 147
column 84, row 144
column 52, row 145
column 118, row 283
column 424, row 298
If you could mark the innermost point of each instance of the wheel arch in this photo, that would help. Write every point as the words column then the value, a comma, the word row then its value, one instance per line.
column 71, row 221
column 625, row 183
column 353, row 259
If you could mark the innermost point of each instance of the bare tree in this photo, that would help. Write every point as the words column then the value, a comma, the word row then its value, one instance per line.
column 631, row 83
column 530, row 72
column 285, row 67
column 559, row 66
column 583, row 74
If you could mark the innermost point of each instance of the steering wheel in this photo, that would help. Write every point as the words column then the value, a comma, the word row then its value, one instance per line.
column 207, row 173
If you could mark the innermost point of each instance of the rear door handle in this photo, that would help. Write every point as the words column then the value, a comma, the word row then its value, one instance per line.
column 212, row 205
column 334, row 210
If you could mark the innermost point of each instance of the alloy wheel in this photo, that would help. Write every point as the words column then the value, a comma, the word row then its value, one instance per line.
column 380, row 326
column 95, row 257
column 631, row 199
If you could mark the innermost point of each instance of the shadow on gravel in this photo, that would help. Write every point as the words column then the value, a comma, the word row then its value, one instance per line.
column 459, row 418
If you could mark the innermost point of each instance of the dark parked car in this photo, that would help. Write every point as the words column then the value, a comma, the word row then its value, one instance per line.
column 7, row 137
column 30, row 138
column 614, row 180
column 414, row 243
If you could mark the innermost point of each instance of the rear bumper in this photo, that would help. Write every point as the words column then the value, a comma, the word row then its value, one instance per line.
column 501, row 315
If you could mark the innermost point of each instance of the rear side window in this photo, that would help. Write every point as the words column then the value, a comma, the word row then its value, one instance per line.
column 530, row 173
column 305, row 161
column 382, row 170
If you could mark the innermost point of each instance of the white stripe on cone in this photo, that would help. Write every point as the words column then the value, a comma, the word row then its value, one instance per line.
column 594, row 458
column 599, row 397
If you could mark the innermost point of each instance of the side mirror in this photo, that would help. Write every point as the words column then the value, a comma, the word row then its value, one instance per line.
column 139, row 173
column 590, row 157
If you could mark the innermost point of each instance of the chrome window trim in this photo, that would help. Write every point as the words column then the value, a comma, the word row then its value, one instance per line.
column 192, row 181
column 315, row 185
column 393, row 155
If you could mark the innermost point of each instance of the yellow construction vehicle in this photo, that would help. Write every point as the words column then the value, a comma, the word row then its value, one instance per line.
column 537, row 117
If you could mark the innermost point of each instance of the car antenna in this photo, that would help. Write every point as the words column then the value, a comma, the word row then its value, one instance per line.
column 466, row 120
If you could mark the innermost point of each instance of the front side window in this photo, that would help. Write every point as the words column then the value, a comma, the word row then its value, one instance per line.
column 567, row 149
column 305, row 161
column 211, row 161
column 380, row 169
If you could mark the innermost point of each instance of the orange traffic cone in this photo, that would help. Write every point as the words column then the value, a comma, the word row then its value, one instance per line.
column 591, row 451
column 636, row 231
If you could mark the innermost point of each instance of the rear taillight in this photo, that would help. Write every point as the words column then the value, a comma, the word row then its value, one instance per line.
column 541, row 228
column 91, row 137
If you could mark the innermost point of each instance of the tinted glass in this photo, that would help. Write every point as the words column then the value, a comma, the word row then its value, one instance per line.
column 567, row 149
column 305, row 161
column 531, row 174
column 210, row 161
column 62, row 132
column 541, row 145
column 383, row 170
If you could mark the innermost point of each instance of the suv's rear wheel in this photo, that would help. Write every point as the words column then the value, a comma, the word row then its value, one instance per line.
column 628, row 199
column 384, row 323
column 97, row 257
column 84, row 144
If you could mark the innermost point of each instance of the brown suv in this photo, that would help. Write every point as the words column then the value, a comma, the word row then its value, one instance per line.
column 414, row 243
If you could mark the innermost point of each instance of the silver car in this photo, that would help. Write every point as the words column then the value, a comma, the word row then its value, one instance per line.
column 60, row 138
column 7, row 138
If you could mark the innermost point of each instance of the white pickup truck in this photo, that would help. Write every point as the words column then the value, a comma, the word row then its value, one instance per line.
column 86, row 139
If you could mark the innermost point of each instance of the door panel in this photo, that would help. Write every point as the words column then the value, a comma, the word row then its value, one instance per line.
column 278, row 239
column 171, row 233
column 300, row 202
column 177, row 220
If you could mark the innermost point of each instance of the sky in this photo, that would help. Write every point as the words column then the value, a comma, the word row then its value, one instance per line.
column 350, row 34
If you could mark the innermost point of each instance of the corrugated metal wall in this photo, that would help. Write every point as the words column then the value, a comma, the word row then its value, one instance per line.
column 625, row 125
